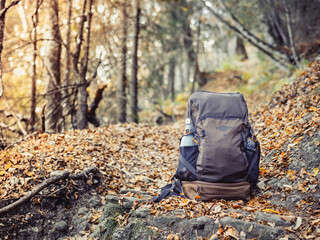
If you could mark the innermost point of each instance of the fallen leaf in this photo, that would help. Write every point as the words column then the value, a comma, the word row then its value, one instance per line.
column 271, row 211
column 298, row 223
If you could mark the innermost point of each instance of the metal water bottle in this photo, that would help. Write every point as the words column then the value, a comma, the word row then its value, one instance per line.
column 187, row 140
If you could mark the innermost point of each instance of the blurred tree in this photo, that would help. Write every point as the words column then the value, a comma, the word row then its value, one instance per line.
column 122, row 86
column 53, row 112
column 35, row 21
column 3, row 10
column 134, row 78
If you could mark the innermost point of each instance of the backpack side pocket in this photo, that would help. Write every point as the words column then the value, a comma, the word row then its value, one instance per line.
column 188, row 163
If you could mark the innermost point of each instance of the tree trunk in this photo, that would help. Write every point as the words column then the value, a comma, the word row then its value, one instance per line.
column 35, row 20
column 52, row 64
column 3, row 11
column 66, row 80
column 134, row 80
column 290, row 34
column 122, row 86
column 240, row 49
column 171, row 78
column 94, row 105
column 82, row 113
column 234, row 24
column 2, row 21
column 275, row 26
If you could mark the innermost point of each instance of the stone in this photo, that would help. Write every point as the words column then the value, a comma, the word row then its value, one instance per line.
column 141, row 193
column 83, row 211
column 141, row 212
column 61, row 226
column 277, row 220
column 258, row 231
column 112, row 199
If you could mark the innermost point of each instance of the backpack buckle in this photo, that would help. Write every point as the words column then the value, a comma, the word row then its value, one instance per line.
column 254, row 138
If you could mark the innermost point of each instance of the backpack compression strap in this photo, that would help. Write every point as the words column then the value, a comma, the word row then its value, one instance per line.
column 187, row 164
column 172, row 189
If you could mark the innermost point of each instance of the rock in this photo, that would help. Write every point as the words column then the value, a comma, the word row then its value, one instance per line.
column 278, row 221
column 129, row 201
column 105, row 229
column 141, row 212
column 83, row 211
column 112, row 199
column 94, row 202
column 141, row 193
column 136, row 230
column 261, row 185
column 252, row 229
column 61, row 226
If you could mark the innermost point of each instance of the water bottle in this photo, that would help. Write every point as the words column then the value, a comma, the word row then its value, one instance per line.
column 187, row 140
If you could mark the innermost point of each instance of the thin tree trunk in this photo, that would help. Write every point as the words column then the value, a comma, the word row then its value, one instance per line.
column 35, row 20
column 171, row 78
column 66, row 80
column 52, row 64
column 121, row 90
column 82, row 113
column 134, row 80
column 2, row 22
column 3, row 11
column 240, row 49
column 290, row 33
column 239, row 29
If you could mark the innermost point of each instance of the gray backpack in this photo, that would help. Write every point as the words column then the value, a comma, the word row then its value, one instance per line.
column 224, row 164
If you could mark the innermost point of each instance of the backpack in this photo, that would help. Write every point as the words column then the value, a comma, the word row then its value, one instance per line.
column 224, row 162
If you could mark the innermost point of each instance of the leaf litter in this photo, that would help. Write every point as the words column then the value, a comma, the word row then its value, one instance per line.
column 144, row 157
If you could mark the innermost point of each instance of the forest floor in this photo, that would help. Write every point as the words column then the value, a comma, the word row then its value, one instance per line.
column 135, row 161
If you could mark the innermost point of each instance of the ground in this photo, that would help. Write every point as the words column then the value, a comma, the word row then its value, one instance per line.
column 135, row 161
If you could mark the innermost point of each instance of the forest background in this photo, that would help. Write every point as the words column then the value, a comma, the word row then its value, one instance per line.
column 83, row 63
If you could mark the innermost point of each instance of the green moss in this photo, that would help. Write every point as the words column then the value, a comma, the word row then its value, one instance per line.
column 109, row 226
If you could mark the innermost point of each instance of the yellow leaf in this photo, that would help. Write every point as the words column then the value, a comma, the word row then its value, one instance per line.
column 2, row 173
column 315, row 171
column 313, row 109
column 7, row 166
column 172, row 237
column 30, row 174
column 185, row 9
column 270, row 210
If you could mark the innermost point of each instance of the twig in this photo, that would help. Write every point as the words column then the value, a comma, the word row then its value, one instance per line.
column 4, row 11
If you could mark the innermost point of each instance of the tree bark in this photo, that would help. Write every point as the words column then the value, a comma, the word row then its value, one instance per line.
column 3, row 11
column 122, row 86
column 240, row 49
column 94, row 105
column 82, row 113
column 290, row 33
column 35, row 20
column 66, row 80
column 2, row 22
column 134, row 79
column 171, row 78
column 52, row 65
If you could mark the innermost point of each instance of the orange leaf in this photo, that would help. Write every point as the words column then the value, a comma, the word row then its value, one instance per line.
column 313, row 109
column 7, row 166
column 30, row 174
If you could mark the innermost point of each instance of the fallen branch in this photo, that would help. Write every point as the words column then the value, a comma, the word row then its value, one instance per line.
column 29, row 195
column 54, row 178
